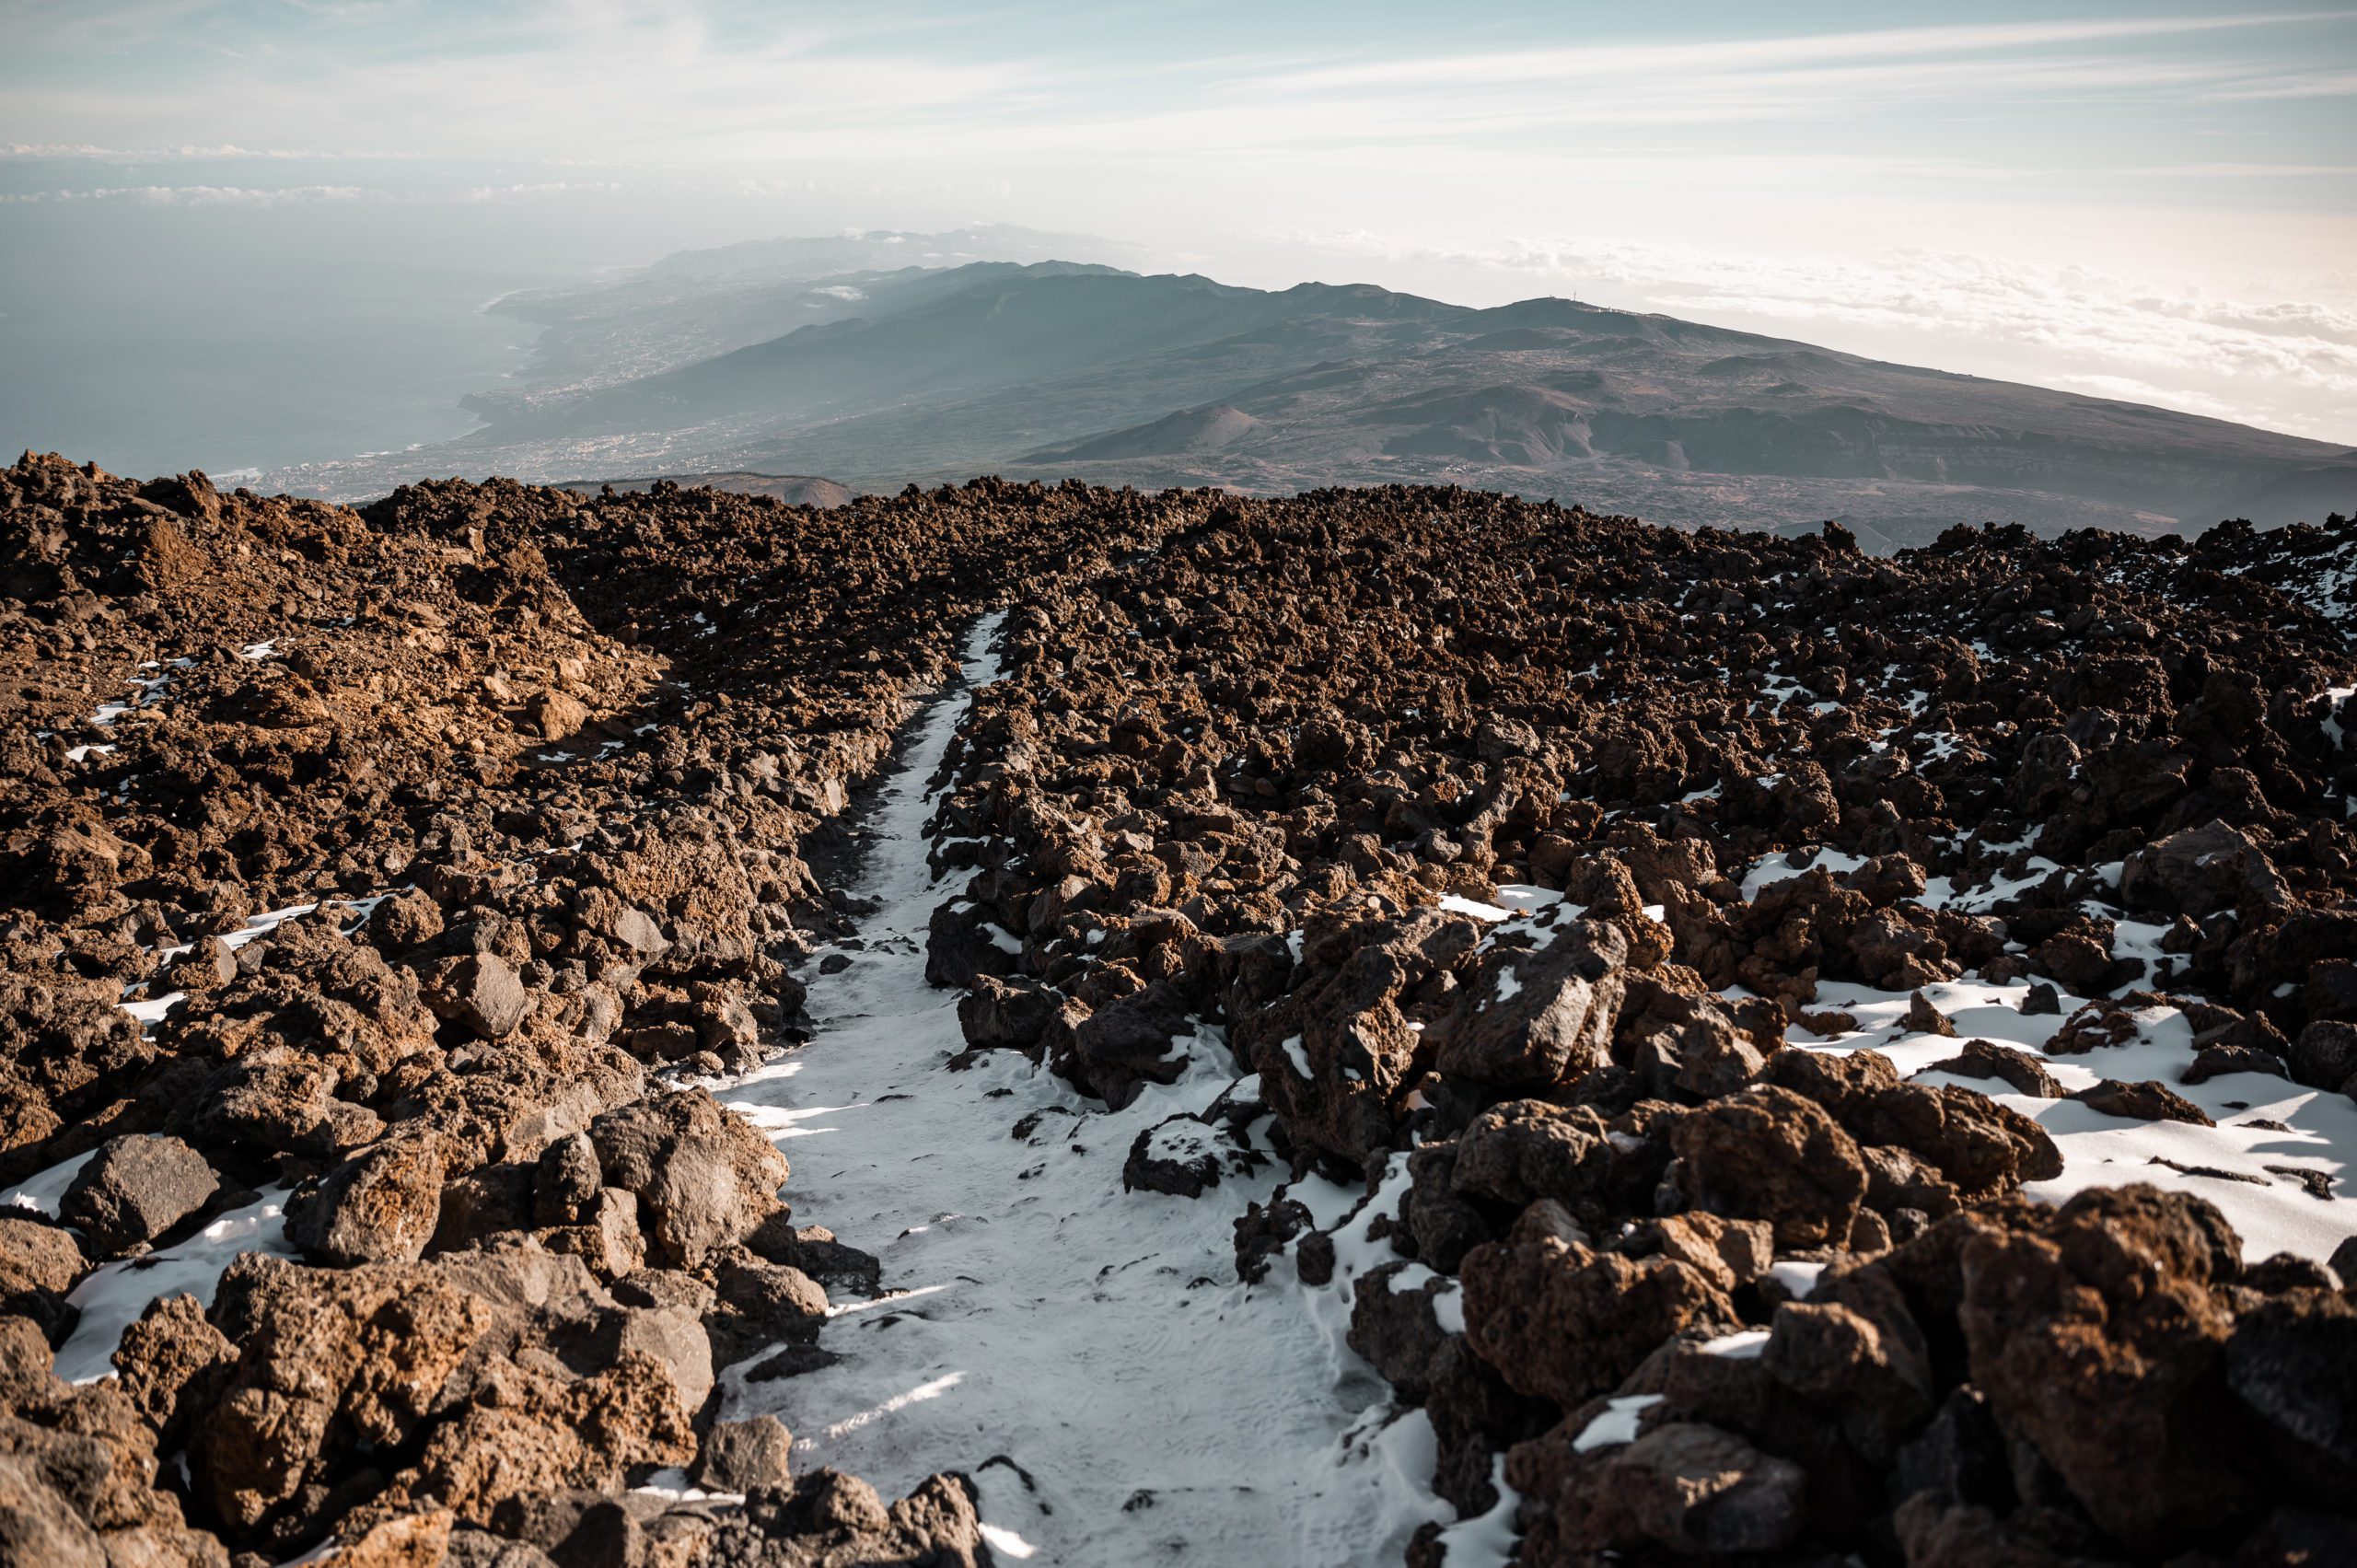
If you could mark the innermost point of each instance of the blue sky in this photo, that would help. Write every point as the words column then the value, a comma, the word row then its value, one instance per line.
column 2152, row 201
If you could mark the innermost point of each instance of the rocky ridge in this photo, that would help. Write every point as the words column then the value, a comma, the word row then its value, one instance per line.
column 1620, row 912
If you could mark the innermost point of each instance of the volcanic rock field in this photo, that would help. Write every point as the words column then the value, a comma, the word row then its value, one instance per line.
column 1022, row 1023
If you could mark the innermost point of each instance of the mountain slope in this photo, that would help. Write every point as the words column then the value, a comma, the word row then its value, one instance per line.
column 1053, row 369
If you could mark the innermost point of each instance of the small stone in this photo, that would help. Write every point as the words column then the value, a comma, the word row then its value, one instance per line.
column 2148, row 1101
column 556, row 715
column 1923, row 1019
column 481, row 993
column 740, row 1455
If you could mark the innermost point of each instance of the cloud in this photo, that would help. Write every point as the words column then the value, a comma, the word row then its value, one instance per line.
column 198, row 195
column 1985, row 135
column 2311, row 84
column 223, row 152
column 2128, row 390
column 1594, row 65
column 542, row 188
column 294, row 195
column 2280, row 364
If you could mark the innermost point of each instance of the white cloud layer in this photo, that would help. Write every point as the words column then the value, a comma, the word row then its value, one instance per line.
column 2286, row 364
column 197, row 195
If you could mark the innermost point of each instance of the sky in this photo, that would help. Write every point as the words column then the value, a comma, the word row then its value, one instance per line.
column 2153, row 200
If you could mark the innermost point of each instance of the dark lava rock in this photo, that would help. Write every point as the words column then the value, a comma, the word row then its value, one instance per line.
column 740, row 1455
column 2147, row 1101
column 1184, row 1157
column 1534, row 1017
column 381, row 1206
column 481, row 993
column 1773, row 1156
column 1984, row 1059
column 135, row 1189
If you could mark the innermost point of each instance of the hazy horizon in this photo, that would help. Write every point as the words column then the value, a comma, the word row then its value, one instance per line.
column 249, row 235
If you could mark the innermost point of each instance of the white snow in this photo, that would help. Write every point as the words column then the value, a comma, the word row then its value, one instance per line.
column 1297, row 1056
column 151, row 1010
column 1456, row 904
column 43, row 1191
column 1615, row 1425
column 2331, row 699
column 112, row 1297
column 1780, row 868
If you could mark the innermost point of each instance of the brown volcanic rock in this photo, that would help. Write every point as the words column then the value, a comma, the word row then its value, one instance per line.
column 1526, row 1150
column 451, row 1364
column 2200, row 869
column 1681, row 1488
column 704, row 1180
column 135, row 1189
column 1562, row 1322
column 63, row 1041
column 326, row 1362
column 39, row 1264
column 1773, row 1156
column 380, row 1207
column 2103, row 1343
column 1336, row 1057
column 1985, row 1149
column 1536, row 1018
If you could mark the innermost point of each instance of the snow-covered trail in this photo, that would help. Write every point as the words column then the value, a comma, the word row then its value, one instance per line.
column 1085, row 1354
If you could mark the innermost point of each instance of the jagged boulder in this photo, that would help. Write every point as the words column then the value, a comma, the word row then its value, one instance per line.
column 135, row 1189
column 704, row 1180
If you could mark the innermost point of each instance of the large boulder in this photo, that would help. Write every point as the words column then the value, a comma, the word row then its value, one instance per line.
column 39, row 1264
column 380, row 1207
column 37, row 1524
column 2203, row 869
column 2102, row 1344
column 1527, row 1149
column 481, row 993
column 135, row 1189
column 1338, row 1055
column 2292, row 1366
column 1770, row 1155
column 1678, row 1491
column 1563, row 1322
column 1696, row 1042
column 1532, row 1017
column 1129, row 1042
column 704, row 1178
column 458, row 1384
column 1985, row 1149
column 830, row 1518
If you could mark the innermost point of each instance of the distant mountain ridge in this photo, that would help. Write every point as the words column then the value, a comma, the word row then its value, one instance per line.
column 1044, row 369
column 794, row 489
